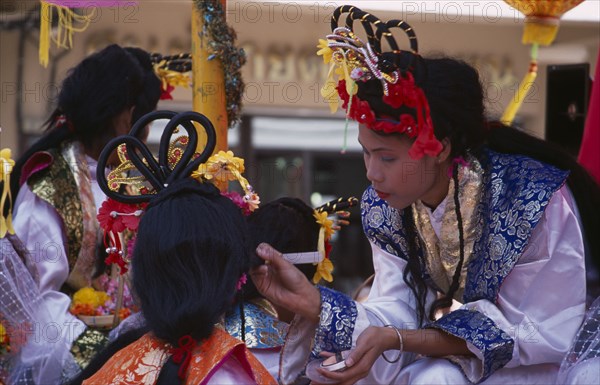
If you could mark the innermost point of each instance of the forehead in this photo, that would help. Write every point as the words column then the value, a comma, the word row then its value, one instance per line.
column 372, row 140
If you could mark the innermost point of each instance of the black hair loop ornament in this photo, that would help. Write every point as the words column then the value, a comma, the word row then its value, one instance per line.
column 383, row 31
column 357, row 65
column 177, row 156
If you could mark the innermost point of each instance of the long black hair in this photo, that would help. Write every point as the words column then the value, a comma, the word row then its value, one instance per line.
column 191, row 250
column 94, row 92
column 456, row 99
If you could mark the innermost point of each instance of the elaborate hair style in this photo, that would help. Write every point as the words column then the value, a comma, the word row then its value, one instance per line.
column 381, row 90
column 151, row 84
column 191, row 243
column 190, row 252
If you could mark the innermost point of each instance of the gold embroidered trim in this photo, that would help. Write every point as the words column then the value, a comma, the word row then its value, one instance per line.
column 441, row 256
column 57, row 186
column 81, row 274
column 66, row 186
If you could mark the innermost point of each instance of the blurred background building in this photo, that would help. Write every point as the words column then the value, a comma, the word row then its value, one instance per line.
column 289, row 139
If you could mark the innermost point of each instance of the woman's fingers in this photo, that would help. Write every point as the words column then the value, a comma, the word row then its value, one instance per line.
column 271, row 256
column 348, row 376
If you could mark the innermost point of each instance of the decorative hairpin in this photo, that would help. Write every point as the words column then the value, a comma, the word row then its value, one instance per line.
column 328, row 228
column 6, row 166
column 172, row 71
column 177, row 158
column 354, row 60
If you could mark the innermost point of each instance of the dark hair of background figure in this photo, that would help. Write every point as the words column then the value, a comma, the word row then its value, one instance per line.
column 288, row 225
column 94, row 92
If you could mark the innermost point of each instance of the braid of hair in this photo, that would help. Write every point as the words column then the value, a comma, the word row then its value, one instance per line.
column 242, row 318
column 413, row 275
column 446, row 301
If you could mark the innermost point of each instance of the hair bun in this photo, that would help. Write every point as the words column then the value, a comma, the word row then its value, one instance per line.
column 184, row 187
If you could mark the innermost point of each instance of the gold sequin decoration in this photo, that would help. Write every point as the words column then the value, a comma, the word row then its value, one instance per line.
column 85, row 347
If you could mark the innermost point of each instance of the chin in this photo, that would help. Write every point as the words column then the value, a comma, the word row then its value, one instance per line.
column 397, row 205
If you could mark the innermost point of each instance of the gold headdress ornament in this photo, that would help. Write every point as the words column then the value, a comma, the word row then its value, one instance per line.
column 6, row 166
column 327, row 228
column 173, row 71
column 177, row 158
column 354, row 61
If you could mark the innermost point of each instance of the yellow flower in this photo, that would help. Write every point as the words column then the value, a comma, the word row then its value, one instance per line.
column 102, row 297
column 343, row 72
column 325, row 223
column 330, row 95
column 324, row 269
column 222, row 166
column 325, row 51
column 89, row 296
column 3, row 335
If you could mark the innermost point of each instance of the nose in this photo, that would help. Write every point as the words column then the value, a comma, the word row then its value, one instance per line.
column 374, row 175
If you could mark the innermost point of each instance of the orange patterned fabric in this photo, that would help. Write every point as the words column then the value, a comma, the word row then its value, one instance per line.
column 140, row 363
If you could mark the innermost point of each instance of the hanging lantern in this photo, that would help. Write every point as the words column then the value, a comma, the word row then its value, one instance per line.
column 542, row 19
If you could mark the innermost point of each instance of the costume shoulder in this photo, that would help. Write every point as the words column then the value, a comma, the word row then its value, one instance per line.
column 37, row 163
column 516, row 191
column 514, row 178
column 262, row 329
column 141, row 361
column 50, row 178
column 138, row 363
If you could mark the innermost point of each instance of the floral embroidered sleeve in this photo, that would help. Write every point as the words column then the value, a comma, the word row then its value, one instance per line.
column 494, row 347
column 337, row 320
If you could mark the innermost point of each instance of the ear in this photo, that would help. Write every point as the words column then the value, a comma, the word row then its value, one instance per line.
column 446, row 151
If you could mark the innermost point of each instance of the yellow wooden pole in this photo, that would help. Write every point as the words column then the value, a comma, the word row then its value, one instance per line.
column 208, row 82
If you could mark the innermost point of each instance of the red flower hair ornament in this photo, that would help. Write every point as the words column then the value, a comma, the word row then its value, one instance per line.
column 354, row 61
column 114, row 218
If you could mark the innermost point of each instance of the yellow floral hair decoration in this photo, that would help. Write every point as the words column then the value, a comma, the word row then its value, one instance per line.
column 327, row 228
column 222, row 168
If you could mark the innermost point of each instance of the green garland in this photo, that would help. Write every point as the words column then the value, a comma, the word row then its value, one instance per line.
column 221, row 46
